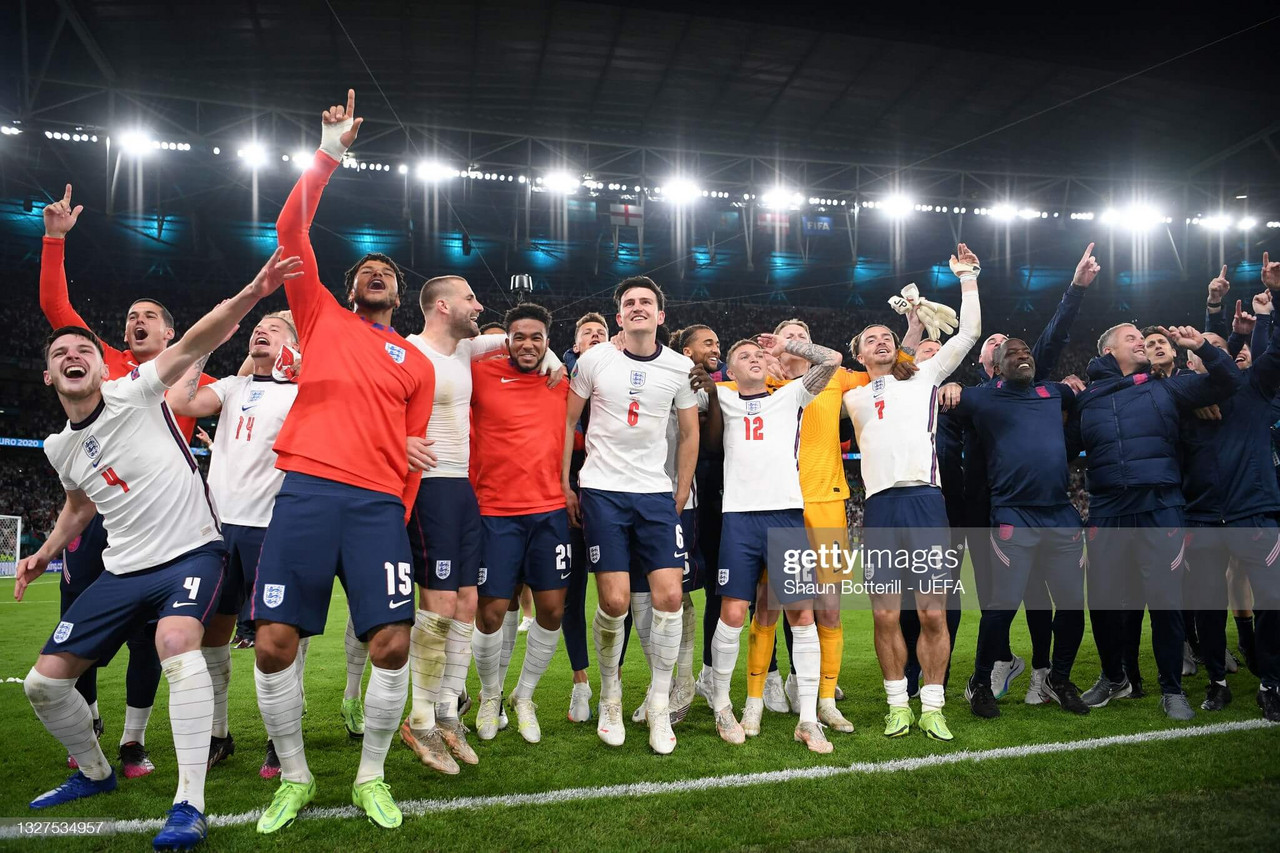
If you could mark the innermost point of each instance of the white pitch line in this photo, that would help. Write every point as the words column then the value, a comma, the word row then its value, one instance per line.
column 418, row 808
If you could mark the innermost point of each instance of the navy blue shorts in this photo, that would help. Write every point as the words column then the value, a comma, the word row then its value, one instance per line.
column 114, row 606
column 621, row 527
column 82, row 561
column 693, row 564
column 744, row 549
column 525, row 549
column 244, row 546
column 321, row 529
column 445, row 534
column 1032, row 546
column 910, row 523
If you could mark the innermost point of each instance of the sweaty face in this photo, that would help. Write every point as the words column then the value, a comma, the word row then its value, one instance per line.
column 589, row 334
column 1016, row 363
column 376, row 287
column 528, row 341
column 464, row 311
column 1159, row 351
column 145, row 332
column 877, row 347
column 704, row 348
column 747, row 364
column 74, row 368
column 268, row 337
column 987, row 358
column 639, row 311
column 926, row 351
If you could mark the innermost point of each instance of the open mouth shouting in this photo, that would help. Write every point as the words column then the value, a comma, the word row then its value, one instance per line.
column 75, row 370
column 377, row 285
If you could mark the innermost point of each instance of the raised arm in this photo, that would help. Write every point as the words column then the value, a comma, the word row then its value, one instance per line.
column 59, row 218
column 188, row 400
column 1262, row 312
column 213, row 329
column 824, row 361
column 1057, row 334
column 966, row 267
column 1215, row 318
column 77, row 512
column 915, row 333
column 1265, row 373
column 1195, row 391
column 307, row 294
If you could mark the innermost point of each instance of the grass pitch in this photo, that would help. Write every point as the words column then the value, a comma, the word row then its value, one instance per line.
column 1209, row 791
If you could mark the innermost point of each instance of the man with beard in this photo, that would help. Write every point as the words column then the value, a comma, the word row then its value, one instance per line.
column 121, row 455
column 445, row 530
column 895, row 423
column 1036, row 532
column 1128, row 426
column 364, row 398
column 517, row 463
column 148, row 330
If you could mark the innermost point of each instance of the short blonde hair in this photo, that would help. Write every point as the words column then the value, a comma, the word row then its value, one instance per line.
column 285, row 317
column 793, row 322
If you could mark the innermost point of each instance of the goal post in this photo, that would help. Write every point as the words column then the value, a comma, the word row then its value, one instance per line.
column 10, row 541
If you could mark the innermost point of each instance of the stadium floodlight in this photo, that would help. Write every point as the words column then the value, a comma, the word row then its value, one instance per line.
column 897, row 206
column 781, row 197
column 1002, row 212
column 681, row 191
column 561, row 182
column 136, row 143
column 1218, row 222
column 300, row 160
column 402, row 169
column 1247, row 223
column 253, row 155
column 434, row 171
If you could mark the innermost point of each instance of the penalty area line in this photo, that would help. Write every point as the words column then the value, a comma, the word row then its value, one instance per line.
column 559, row 796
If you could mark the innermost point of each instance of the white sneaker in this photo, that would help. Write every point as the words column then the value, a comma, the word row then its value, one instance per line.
column 527, row 719
column 661, row 739
column 728, row 727
column 1003, row 674
column 705, row 684
column 640, row 714
column 681, row 698
column 609, row 725
column 792, row 693
column 775, row 696
column 812, row 736
column 464, row 703
column 580, row 702
column 523, row 627
column 1035, row 690
column 1188, row 660
column 831, row 717
column 751, row 714
column 487, row 716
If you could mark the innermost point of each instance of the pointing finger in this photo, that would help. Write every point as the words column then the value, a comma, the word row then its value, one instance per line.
column 66, row 198
column 1223, row 274
column 1087, row 252
column 351, row 102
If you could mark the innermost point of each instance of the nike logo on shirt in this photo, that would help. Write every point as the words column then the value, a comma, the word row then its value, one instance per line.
column 505, row 380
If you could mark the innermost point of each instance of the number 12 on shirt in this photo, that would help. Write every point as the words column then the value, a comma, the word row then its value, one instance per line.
column 754, row 427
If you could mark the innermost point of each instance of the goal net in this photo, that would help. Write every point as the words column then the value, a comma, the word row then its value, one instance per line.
column 10, row 537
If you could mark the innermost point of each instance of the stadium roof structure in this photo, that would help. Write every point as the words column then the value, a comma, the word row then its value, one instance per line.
column 826, row 98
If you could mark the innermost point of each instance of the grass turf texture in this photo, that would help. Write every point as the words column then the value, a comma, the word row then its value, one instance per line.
column 1180, row 794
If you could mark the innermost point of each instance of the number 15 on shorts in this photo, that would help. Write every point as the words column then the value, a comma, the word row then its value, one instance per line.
column 399, row 578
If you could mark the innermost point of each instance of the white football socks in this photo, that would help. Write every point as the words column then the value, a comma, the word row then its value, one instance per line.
column 427, row 643
column 896, row 691
column 540, row 646
column 606, row 631
column 191, row 718
column 684, row 663
column 642, row 620
column 280, row 704
column 806, row 659
column 357, row 657
column 725, row 644
column 932, row 697
column 383, row 705
column 66, row 716
column 664, row 641
column 457, row 659
column 218, row 661
column 487, row 649
column 510, row 626
column 135, row 725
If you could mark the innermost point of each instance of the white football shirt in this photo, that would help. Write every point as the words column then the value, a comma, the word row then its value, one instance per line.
column 243, row 475
column 762, row 448
column 450, row 424
column 896, row 423
column 631, row 403
column 132, row 462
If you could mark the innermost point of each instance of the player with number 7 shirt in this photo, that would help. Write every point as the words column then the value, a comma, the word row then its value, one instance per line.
column 121, row 455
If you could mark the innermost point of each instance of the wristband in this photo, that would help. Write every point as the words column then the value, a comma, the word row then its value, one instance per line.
column 968, row 277
column 331, row 138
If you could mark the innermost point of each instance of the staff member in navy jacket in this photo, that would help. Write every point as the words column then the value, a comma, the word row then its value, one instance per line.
column 1128, row 425
column 1036, row 535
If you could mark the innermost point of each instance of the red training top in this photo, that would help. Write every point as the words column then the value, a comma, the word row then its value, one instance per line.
column 517, row 439
column 365, row 389
column 56, row 305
